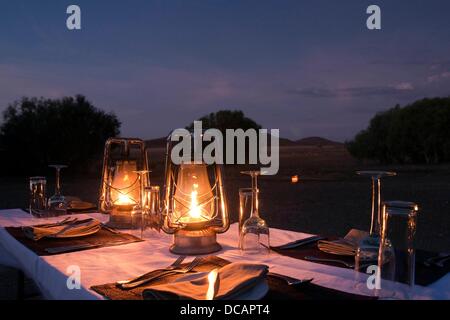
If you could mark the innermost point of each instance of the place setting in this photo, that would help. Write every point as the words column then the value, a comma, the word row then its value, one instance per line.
column 214, row 278
column 69, row 235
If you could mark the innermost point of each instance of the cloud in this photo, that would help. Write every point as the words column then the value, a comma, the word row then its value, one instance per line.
column 431, row 64
column 363, row 91
column 404, row 86
column 439, row 77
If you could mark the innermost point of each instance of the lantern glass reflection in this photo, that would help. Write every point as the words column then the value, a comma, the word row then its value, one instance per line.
column 125, row 184
column 193, row 199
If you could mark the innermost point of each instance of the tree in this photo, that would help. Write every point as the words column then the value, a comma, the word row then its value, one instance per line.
column 416, row 133
column 36, row 132
column 226, row 119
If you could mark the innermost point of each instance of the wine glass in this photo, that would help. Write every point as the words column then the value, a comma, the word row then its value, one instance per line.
column 254, row 237
column 57, row 201
column 368, row 247
column 376, row 198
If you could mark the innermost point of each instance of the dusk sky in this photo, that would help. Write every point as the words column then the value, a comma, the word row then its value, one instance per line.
column 309, row 68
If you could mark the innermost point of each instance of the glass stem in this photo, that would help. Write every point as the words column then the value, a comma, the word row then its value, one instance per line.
column 255, row 211
column 377, row 228
column 376, row 206
column 58, row 185
column 141, row 178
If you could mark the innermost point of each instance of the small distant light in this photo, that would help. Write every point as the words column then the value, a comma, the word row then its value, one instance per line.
column 294, row 179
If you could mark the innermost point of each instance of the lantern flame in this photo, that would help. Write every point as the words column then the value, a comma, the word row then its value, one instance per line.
column 124, row 199
column 194, row 211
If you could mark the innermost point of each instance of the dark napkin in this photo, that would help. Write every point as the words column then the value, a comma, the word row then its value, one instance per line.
column 102, row 238
column 424, row 275
column 278, row 288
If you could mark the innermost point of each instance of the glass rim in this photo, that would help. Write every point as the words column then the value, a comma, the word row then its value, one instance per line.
column 247, row 190
column 38, row 178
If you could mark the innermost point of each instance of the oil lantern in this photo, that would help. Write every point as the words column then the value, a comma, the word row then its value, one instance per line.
column 121, row 184
column 195, row 207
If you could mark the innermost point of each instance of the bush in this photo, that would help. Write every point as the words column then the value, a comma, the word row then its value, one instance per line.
column 416, row 133
column 226, row 119
column 38, row 132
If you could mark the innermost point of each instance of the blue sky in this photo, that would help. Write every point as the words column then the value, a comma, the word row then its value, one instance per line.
column 310, row 68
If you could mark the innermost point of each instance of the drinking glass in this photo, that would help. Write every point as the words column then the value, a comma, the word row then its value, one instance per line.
column 37, row 195
column 152, row 213
column 254, row 236
column 137, row 214
column 375, row 177
column 396, row 257
column 57, row 201
column 245, row 206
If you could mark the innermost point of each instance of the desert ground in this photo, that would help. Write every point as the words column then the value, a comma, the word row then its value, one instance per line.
column 329, row 198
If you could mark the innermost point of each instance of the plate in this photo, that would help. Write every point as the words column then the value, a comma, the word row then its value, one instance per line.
column 86, row 228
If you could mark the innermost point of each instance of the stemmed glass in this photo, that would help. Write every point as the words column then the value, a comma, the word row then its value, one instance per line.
column 57, row 201
column 254, row 237
column 367, row 251
column 376, row 197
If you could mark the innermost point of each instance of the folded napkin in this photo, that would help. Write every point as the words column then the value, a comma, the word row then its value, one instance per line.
column 346, row 246
column 234, row 280
column 64, row 229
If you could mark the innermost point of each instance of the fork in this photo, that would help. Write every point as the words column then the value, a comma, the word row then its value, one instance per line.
column 67, row 225
column 186, row 269
column 53, row 224
column 172, row 266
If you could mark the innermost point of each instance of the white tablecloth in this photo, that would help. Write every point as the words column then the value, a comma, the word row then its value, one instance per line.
column 103, row 265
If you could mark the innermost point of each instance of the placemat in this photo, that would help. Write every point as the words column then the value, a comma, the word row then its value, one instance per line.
column 102, row 238
column 424, row 275
column 278, row 288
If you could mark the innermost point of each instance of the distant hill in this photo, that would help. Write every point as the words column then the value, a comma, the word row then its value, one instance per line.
column 316, row 141
column 310, row 141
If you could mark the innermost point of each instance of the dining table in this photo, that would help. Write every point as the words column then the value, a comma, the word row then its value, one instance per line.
column 97, row 266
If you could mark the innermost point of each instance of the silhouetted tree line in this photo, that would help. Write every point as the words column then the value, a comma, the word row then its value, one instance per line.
column 416, row 133
column 38, row 132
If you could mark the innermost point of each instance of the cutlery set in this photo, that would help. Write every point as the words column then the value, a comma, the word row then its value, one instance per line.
column 175, row 268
